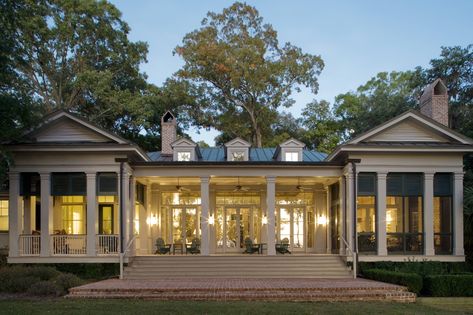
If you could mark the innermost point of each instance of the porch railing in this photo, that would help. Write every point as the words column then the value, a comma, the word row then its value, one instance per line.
column 73, row 244
column 29, row 245
column 353, row 253
column 108, row 244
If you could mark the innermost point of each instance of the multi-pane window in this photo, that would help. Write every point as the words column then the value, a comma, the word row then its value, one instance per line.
column 3, row 215
column 183, row 156
column 404, row 219
column 443, row 193
column 73, row 214
column 291, row 156
column 366, row 212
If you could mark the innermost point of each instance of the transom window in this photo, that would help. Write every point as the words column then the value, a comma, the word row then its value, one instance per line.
column 183, row 156
column 291, row 156
column 238, row 156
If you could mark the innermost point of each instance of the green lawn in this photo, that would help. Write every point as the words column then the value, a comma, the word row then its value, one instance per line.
column 62, row 306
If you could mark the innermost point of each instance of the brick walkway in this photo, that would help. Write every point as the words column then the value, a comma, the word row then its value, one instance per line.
column 245, row 289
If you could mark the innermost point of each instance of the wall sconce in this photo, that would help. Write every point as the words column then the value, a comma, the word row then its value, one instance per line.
column 322, row 220
column 152, row 220
column 211, row 219
column 264, row 219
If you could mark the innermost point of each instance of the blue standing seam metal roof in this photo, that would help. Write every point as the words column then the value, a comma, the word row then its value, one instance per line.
column 217, row 154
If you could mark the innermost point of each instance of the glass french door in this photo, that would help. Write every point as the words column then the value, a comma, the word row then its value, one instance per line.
column 234, row 225
column 185, row 224
column 295, row 226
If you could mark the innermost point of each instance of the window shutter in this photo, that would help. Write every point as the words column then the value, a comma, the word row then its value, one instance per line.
column 68, row 184
column 60, row 184
column 107, row 184
column 443, row 184
column 413, row 185
column 394, row 184
column 367, row 184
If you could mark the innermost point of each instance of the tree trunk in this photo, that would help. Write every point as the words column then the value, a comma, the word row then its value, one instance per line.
column 256, row 129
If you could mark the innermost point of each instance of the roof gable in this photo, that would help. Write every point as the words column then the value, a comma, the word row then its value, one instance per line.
column 237, row 142
column 63, row 127
column 183, row 142
column 292, row 143
column 411, row 126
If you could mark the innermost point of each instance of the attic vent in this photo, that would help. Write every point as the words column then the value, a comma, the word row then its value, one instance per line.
column 168, row 117
column 440, row 89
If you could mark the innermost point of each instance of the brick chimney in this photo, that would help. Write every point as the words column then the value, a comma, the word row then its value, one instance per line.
column 434, row 102
column 168, row 133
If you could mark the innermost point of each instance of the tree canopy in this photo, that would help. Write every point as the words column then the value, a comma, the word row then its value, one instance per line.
column 243, row 71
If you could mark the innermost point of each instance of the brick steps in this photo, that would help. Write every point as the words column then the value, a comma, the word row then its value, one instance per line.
column 242, row 266
column 256, row 289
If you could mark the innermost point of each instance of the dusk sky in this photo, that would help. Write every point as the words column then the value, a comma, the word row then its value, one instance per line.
column 356, row 39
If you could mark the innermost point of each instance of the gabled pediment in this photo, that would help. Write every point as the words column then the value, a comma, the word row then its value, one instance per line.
column 293, row 143
column 237, row 142
column 411, row 126
column 64, row 127
column 183, row 142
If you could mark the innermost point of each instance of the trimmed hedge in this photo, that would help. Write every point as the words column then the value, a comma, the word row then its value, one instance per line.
column 424, row 268
column 412, row 281
column 449, row 285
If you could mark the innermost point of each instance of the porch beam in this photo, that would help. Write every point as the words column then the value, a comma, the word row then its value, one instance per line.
column 205, row 203
column 92, row 226
column 270, row 208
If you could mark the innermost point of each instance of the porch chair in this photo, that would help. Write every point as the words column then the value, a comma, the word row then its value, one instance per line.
column 162, row 248
column 250, row 248
column 283, row 247
column 194, row 247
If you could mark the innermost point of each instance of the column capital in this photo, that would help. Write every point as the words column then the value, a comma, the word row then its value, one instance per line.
column 44, row 175
column 91, row 174
column 458, row 175
column 13, row 175
column 429, row 175
column 204, row 179
column 271, row 179
column 381, row 175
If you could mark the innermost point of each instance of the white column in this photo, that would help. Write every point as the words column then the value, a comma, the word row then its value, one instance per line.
column 381, row 213
column 458, row 214
column 329, row 220
column 429, row 214
column 145, row 213
column 46, row 214
column 342, row 222
column 92, row 222
column 14, row 213
column 270, row 208
column 205, row 202
column 349, row 208
column 131, row 195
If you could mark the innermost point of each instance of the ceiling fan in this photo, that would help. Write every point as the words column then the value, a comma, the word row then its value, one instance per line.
column 180, row 189
column 299, row 187
column 240, row 188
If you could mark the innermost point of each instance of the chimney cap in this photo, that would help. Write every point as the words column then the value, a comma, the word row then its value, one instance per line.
column 437, row 87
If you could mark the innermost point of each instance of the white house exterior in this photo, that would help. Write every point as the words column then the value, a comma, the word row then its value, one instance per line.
column 78, row 193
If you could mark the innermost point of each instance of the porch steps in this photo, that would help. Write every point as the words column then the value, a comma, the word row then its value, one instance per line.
column 255, row 289
column 242, row 266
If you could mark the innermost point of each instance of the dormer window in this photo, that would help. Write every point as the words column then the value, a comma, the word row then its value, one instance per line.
column 238, row 156
column 291, row 156
column 183, row 156
column 289, row 151
column 237, row 150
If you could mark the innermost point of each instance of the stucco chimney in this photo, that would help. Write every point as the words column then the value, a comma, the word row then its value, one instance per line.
column 168, row 133
column 434, row 102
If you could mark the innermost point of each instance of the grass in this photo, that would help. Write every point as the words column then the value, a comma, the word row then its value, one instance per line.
column 63, row 306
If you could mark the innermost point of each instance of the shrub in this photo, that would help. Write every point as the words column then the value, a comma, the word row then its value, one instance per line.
column 90, row 271
column 419, row 267
column 66, row 281
column 42, row 272
column 449, row 285
column 412, row 281
column 43, row 288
